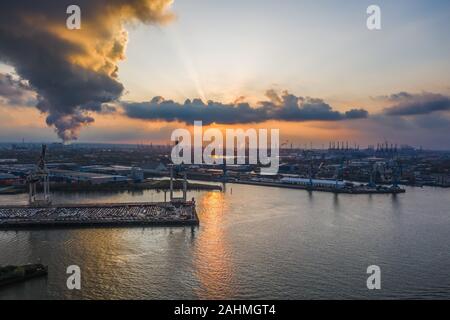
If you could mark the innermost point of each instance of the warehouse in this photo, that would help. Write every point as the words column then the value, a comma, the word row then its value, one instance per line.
column 93, row 178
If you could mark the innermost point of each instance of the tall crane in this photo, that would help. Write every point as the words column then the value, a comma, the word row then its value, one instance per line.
column 39, row 176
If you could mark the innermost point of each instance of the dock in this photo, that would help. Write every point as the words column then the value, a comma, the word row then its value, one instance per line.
column 99, row 215
column 41, row 213
column 13, row 274
column 324, row 188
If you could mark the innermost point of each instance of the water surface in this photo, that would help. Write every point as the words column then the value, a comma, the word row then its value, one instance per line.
column 253, row 243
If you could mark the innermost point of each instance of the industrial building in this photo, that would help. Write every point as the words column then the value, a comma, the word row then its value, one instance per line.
column 86, row 177
column 154, row 167
column 134, row 173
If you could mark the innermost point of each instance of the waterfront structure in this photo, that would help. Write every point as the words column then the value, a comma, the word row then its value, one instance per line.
column 172, row 197
column 8, row 179
column 39, row 177
column 154, row 167
column 89, row 177
column 13, row 274
column 41, row 213
column 314, row 183
column 95, row 215
column 132, row 172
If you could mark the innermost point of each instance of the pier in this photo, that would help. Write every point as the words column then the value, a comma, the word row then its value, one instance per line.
column 99, row 215
column 13, row 274
column 325, row 188
column 42, row 213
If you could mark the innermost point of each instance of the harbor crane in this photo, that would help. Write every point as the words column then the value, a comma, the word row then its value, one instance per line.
column 40, row 176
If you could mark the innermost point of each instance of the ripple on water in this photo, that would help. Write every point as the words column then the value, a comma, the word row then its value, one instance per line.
column 256, row 243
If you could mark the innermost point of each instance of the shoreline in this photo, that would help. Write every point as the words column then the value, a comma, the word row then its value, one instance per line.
column 159, row 185
column 322, row 189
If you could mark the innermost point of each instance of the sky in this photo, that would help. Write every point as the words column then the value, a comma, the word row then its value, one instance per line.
column 310, row 68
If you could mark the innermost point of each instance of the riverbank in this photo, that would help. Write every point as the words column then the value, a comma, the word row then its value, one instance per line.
column 347, row 190
column 146, row 185
column 352, row 188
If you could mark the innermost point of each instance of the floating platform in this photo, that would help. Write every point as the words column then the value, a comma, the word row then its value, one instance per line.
column 99, row 215
column 347, row 190
column 13, row 274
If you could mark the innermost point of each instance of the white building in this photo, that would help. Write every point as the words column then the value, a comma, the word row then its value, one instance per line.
column 315, row 182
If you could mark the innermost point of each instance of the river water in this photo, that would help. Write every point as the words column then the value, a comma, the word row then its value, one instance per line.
column 252, row 243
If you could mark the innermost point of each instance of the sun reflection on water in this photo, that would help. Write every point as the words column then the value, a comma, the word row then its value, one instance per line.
column 213, row 263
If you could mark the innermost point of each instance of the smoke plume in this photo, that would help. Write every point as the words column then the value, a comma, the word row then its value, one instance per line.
column 73, row 72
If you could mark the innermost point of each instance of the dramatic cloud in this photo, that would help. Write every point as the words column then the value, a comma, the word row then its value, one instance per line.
column 14, row 92
column 287, row 107
column 72, row 71
column 356, row 114
column 407, row 104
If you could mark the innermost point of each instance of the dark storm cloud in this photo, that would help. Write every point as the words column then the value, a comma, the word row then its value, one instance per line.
column 15, row 92
column 407, row 104
column 356, row 114
column 108, row 109
column 72, row 71
column 287, row 107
